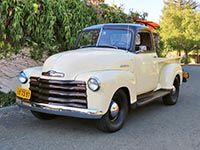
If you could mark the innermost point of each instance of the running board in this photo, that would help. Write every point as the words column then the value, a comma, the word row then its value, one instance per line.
column 151, row 96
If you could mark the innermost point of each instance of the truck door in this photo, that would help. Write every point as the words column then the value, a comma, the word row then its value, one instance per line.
column 147, row 71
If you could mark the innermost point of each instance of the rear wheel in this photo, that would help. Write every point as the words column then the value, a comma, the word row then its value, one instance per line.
column 42, row 116
column 172, row 98
column 115, row 117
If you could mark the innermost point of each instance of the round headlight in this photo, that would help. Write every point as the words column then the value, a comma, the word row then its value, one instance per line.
column 22, row 77
column 93, row 84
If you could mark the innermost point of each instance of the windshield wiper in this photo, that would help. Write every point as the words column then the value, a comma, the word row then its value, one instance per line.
column 109, row 46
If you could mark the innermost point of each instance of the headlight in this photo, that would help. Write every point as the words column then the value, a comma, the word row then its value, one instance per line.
column 22, row 77
column 93, row 84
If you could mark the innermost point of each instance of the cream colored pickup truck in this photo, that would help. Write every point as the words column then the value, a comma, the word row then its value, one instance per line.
column 113, row 68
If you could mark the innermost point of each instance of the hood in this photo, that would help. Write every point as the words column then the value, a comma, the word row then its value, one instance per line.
column 74, row 62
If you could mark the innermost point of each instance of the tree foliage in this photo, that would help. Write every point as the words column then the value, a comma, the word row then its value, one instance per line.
column 180, row 26
column 50, row 25
column 42, row 25
column 112, row 14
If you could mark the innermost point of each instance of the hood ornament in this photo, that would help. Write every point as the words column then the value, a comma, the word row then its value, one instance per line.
column 52, row 73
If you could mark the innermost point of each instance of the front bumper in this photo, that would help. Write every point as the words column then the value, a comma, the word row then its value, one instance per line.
column 60, row 110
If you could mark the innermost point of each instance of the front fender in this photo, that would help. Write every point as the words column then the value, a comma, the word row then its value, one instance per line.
column 168, row 74
column 110, row 82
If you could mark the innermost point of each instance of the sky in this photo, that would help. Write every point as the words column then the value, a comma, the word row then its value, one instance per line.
column 152, row 7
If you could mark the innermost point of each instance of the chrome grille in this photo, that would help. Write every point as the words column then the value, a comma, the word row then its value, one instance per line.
column 58, row 92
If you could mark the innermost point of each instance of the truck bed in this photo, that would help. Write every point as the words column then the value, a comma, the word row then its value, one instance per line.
column 169, row 60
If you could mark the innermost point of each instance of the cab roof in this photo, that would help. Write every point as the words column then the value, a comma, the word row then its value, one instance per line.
column 117, row 26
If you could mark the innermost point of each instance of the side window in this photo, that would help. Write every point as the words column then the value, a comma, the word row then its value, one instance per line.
column 143, row 41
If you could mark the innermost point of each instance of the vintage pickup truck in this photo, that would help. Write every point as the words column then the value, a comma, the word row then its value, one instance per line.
column 113, row 68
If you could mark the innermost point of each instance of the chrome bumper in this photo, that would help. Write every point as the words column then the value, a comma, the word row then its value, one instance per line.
column 61, row 110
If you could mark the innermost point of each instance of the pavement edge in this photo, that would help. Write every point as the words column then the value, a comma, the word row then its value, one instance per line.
column 9, row 108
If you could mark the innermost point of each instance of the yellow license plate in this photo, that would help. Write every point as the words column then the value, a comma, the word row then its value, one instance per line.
column 23, row 93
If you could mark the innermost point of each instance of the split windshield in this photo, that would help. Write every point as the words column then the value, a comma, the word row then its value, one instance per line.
column 111, row 38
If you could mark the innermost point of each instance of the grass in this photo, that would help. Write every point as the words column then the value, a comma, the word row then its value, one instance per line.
column 7, row 99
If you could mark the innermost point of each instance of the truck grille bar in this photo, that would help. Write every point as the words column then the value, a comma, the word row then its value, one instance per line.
column 57, row 92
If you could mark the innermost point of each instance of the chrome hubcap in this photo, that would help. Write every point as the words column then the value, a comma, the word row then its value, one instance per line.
column 114, row 109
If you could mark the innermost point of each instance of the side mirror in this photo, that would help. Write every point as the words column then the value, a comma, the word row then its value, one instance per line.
column 141, row 49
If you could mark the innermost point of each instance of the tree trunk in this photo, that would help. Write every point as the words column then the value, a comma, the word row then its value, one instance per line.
column 186, row 56
column 197, row 56
column 179, row 53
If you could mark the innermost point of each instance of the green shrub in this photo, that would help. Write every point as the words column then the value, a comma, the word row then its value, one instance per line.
column 50, row 25
column 42, row 25
column 183, row 59
column 7, row 99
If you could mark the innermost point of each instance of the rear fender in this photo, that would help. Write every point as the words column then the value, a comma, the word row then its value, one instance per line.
column 168, row 74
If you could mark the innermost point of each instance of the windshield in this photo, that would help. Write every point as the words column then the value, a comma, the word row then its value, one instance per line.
column 112, row 38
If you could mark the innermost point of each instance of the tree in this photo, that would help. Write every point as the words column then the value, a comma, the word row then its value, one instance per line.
column 139, row 15
column 180, row 26
column 51, row 26
column 95, row 1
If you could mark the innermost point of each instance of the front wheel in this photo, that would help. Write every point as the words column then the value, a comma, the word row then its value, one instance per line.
column 42, row 116
column 172, row 97
column 115, row 117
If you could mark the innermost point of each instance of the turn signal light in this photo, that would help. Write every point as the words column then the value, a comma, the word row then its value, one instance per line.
column 186, row 75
